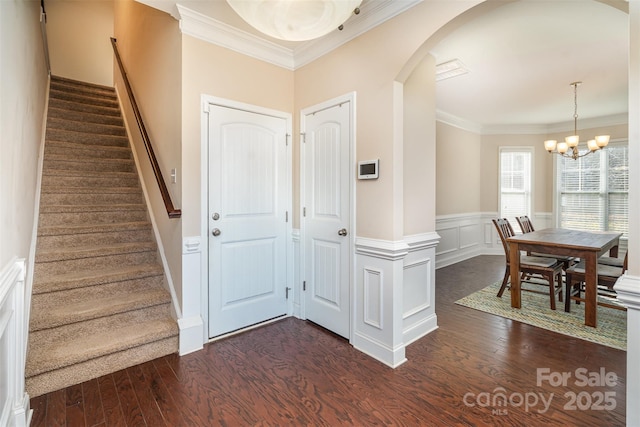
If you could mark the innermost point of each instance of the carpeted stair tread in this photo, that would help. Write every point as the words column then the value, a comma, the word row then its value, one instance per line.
column 52, row 189
column 86, row 138
column 89, row 174
column 92, row 208
column 81, row 304
column 77, row 279
column 76, row 150
column 53, row 255
column 61, row 111
column 78, row 373
column 86, row 199
column 65, row 83
column 84, row 108
column 85, row 341
column 103, row 165
column 105, row 100
column 64, row 229
column 81, row 126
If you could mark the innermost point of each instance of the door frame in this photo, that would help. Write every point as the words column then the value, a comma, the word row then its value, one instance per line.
column 207, row 100
column 351, row 99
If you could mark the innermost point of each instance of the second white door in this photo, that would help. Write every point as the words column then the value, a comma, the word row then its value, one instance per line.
column 326, row 216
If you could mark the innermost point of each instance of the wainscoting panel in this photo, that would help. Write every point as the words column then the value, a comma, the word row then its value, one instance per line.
column 191, row 323
column 418, row 311
column 373, row 298
column 14, row 400
column 465, row 236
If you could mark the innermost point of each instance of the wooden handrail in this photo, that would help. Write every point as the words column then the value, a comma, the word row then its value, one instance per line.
column 166, row 197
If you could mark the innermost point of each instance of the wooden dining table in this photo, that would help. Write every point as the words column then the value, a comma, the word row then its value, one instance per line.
column 586, row 245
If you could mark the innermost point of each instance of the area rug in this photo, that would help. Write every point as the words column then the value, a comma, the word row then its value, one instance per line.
column 535, row 311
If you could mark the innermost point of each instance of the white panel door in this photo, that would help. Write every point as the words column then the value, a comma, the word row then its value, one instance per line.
column 247, row 224
column 326, row 217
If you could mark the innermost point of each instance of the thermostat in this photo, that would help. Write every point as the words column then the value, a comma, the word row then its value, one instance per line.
column 368, row 169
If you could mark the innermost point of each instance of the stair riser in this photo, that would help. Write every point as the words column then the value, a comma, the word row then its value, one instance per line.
column 91, row 182
column 48, row 199
column 84, row 108
column 77, row 374
column 103, row 166
column 85, row 117
column 95, row 263
column 100, row 100
column 153, row 278
column 76, row 218
column 86, row 138
column 92, row 239
column 91, row 128
column 48, row 310
column 58, row 149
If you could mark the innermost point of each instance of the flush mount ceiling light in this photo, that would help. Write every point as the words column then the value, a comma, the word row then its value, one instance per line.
column 295, row 20
column 569, row 148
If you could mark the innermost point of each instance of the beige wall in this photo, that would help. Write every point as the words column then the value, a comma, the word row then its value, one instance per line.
column 467, row 167
column 149, row 42
column 459, row 171
column 78, row 33
column 212, row 70
column 23, row 88
column 419, row 149
column 370, row 65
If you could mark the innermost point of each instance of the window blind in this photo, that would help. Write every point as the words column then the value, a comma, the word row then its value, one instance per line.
column 515, row 183
column 593, row 190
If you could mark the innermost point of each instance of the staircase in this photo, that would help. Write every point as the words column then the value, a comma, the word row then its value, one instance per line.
column 99, row 303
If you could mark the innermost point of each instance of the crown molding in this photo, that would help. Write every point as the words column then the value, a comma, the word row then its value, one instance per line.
column 208, row 29
column 205, row 28
column 371, row 15
column 529, row 129
column 458, row 122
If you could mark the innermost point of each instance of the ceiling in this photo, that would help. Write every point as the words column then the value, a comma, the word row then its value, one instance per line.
column 521, row 57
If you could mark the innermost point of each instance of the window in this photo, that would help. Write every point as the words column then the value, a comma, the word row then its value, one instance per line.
column 593, row 190
column 515, row 182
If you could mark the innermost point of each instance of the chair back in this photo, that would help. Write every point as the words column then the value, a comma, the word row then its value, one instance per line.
column 525, row 224
column 504, row 231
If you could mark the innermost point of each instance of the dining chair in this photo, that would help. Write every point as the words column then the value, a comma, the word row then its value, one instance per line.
column 527, row 227
column 608, row 275
column 549, row 268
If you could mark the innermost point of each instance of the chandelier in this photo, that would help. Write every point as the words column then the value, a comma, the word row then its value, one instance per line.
column 295, row 20
column 569, row 148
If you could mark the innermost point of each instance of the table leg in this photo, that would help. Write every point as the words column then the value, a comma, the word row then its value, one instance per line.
column 613, row 252
column 591, row 289
column 514, row 262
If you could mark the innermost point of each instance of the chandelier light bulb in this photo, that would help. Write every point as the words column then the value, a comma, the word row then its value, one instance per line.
column 562, row 147
column 593, row 145
column 550, row 145
column 602, row 140
column 572, row 141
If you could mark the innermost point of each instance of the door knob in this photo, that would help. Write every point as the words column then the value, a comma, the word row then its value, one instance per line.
column 342, row 232
column 215, row 216
column 216, row 232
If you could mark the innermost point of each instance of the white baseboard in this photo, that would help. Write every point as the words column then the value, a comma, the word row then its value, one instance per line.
column 191, row 333
column 392, row 357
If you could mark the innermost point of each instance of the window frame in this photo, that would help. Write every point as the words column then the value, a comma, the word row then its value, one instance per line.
column 603, row 193
column 517, row 149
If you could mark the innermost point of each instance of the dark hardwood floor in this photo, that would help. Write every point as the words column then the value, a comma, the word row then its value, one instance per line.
column 295, row 373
